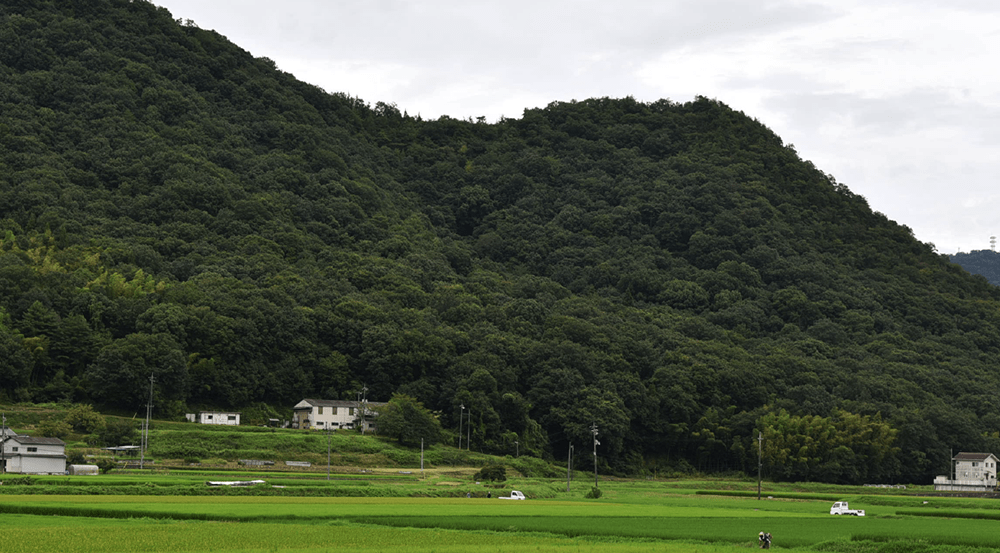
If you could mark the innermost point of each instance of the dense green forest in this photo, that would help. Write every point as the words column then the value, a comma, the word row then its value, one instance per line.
column 980, row 262
column 672, row 273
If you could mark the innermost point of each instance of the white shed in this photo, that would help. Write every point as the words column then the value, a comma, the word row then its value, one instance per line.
column 214, row 417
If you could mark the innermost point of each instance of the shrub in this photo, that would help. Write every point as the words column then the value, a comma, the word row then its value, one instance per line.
column 533, row 467
column 75, row 458
column 493, row 473
column 84, row 419
column 408, row 421
column 400, row 457
column 260, row 414
column 594, row 493
column 105, row 465
column 52, row 428
column 117, row 432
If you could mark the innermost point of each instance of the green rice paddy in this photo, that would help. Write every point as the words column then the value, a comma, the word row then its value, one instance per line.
column 632, row 517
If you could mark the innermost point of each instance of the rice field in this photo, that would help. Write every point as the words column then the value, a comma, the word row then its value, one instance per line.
column 639, row 518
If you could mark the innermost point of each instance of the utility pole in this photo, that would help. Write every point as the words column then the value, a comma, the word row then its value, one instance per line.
column 421, row 455
column 468, row 437
column 517, row 450
column 461, row 417
column 593, row 430
column 145, row 429
column 364, row 406
column 3, row 445
column 760, row 461
column 569, row 464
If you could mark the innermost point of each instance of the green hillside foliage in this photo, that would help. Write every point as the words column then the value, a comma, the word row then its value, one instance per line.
column 672, row 273
column 985, row 263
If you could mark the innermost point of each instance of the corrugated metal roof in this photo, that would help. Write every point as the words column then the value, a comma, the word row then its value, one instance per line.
column 338, row 403
column 965, row 456
column 25, row 440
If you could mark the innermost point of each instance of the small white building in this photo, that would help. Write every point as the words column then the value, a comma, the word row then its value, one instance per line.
column 972, row 472
column 323, row 414
column 25, row 455
column 83, row 470
column 214, row 417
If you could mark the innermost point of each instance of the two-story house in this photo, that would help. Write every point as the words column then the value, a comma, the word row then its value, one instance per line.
column 971, row 472
column 25, row 455
column 323, row 414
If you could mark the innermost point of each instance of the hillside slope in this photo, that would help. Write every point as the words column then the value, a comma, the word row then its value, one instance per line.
column 985, row 263
column 673, row 274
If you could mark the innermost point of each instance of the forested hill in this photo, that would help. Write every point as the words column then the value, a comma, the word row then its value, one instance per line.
column 980, row 262
column 671, row 273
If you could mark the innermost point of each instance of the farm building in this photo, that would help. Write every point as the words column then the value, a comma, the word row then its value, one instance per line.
column 26, row 455
column 214, row 417
column 322, row 414
column 971, row 472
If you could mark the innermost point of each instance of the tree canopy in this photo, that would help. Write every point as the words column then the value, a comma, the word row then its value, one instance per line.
column 408, row 421
column 673, row 273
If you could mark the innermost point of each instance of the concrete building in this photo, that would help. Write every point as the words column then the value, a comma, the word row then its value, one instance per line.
column 25, row 455
column 322, row 414
column 971, row 472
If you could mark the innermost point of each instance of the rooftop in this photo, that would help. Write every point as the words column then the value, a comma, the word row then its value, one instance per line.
column 966, row 456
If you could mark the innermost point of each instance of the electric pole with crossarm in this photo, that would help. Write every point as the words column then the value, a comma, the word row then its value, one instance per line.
column 593, row 430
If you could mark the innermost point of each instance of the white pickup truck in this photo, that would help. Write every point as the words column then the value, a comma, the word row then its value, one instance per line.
column 514, row 494
column 841, row 508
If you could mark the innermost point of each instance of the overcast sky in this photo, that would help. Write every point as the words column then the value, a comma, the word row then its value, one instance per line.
column 897, row 99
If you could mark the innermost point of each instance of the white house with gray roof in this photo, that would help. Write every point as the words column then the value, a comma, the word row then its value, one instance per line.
column 972, row 472
column 26, row 455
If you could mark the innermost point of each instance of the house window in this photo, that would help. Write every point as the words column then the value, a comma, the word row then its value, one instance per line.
column 232, row 417
column 334, row 410
column 320, row 410
column 14, row 449
column 32, row 450
column 208, row 417
column 974, row 463
column 350, row 411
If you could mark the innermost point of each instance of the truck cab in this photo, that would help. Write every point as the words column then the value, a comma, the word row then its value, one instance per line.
column 842, row 508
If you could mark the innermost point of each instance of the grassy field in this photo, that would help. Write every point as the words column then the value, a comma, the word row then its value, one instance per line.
column 633, row 515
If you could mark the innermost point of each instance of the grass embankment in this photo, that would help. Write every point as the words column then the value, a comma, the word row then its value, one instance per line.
column 190, row 446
